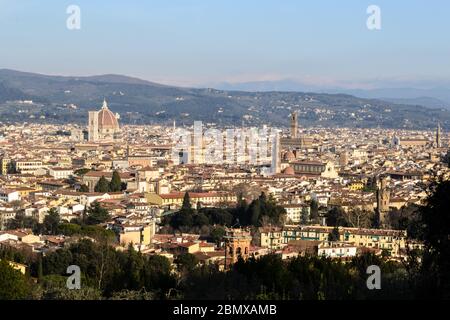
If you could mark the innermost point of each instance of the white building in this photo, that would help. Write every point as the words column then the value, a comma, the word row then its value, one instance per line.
column 294, row 212
column 7, row 195
column 60, row 173
column 336, row 249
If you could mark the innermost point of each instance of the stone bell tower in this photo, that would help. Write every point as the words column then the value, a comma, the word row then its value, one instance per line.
column 294, row 124
column 383, row 200
column 237, row 244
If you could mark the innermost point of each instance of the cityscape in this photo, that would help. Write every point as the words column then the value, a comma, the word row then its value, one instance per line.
column 115, row 188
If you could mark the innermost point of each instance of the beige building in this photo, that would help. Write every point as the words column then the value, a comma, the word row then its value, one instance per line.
column 18, row 266
column 60, row 173
column 205, row 198
column 315, row 168
column 139, row 235
column 294, row 212
column 27, row 166
column 390, row 240
column 4, row 164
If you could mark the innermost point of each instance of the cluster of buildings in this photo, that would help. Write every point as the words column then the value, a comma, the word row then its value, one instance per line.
column 348, row 243
column 45, row 167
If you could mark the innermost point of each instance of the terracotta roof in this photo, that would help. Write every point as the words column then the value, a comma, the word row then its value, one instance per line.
column 107, row 119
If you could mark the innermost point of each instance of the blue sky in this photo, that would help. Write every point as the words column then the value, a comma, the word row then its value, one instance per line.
column 201, row 42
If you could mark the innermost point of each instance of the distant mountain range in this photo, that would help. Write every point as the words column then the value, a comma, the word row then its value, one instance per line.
column 139, row 101
column 434, row 96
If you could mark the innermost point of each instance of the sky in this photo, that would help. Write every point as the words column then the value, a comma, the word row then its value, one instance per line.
column 203, row 42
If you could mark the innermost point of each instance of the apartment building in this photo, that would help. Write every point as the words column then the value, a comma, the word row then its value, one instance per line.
column 60, row 173
column 392, row 241
column 336, row 250
column 294, row 212
column 7, row 195
column 207, row 199
column 27, row 166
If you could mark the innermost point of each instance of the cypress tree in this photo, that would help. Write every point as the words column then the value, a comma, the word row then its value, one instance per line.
column 102, row 185
column 116, row 183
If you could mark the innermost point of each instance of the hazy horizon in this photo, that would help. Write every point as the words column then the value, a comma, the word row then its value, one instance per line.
column 203, row 44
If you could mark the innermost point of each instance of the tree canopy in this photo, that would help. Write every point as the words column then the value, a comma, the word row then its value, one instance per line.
column 13, row 284
column 262, row 210
column 116, row 183
column 102, row 185
column 97, row 214
column 51, row 222
column 435, row 226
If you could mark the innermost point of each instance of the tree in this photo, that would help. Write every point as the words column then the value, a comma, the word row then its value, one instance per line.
column 51, row 222
column 200, row 219
column 158, row 276
column 447, row 158
column 13, row 284
column 435, row 221
column 186, row 206
column 254, row 212
column 334, row 234
column 54, row 287
column 69, row 229
column 97, row 214
column 57, row 262
column 40, row 269
column 102, row 185
column 335, row 217
column 218, row 216
column 217, row 234
column 314, row 206
column 186, row 262
column 304, row 216
column 21, row 221
column 405, row 218
column 83, row 188
column 116, row 183
column 182, row 219
column 11, row 168
column 82, row 171
column 133, row 295
column 358, row 218
column 241, row 208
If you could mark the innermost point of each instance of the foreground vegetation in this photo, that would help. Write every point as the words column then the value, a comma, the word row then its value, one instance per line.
column 111, row 274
